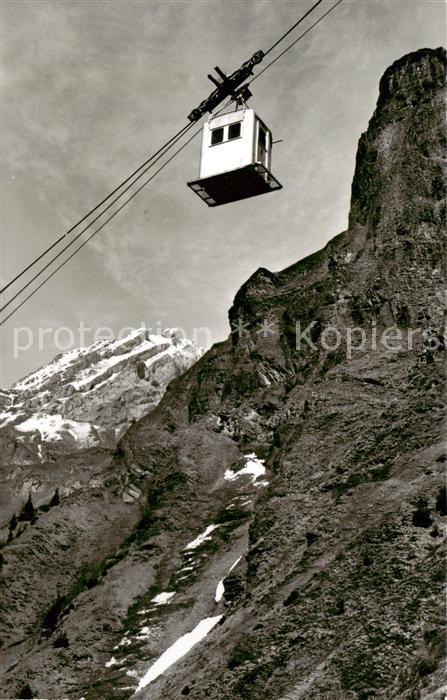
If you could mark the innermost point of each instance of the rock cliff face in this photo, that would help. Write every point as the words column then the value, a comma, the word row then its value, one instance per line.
column 289, row 493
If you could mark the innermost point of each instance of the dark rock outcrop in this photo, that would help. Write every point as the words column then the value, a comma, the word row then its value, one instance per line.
column 333, row 571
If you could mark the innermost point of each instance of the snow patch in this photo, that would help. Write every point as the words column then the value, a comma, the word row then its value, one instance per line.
column 112, row 662
column 201, row 538
column 8, row 416
column 254, row 467
column 104, row 381
column 110, row 360
column 130, row 336
column 123, row 643
column 181, row 647
column 45, row 373
column 220, row 588
column 143, row 634
column 50, row 428
column 235, row 564
column 163, row 598
column 154, row 359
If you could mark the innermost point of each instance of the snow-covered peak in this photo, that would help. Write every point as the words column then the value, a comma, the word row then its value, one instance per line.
column 98, row 390
column 104, row 352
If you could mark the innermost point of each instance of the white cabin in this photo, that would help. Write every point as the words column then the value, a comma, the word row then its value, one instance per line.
column 235, row 158
column 233, row 141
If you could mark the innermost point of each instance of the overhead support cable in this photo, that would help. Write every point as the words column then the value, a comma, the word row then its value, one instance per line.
column 320, row 19
column 230, row 86
column 112, row 216
column 92, row 211
column 80, row 233
column 294, row 26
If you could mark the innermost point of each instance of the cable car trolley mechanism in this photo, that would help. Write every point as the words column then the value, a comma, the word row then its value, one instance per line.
column 236, row 146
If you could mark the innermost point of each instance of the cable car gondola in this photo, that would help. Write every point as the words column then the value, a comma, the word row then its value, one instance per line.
column 235, row 159
column 247, row 177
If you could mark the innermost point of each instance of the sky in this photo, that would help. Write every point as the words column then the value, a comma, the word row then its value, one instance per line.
column 91, row 88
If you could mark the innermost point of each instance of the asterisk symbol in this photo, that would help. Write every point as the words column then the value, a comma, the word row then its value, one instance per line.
column 240, row 327
column 267, row 328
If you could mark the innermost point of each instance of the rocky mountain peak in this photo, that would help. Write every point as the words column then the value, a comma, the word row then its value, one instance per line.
column 89, row 396
column 391, row 174
column 386, row 268
column 412, row 78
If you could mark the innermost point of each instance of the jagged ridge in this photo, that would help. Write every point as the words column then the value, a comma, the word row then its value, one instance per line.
column 89, row 396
